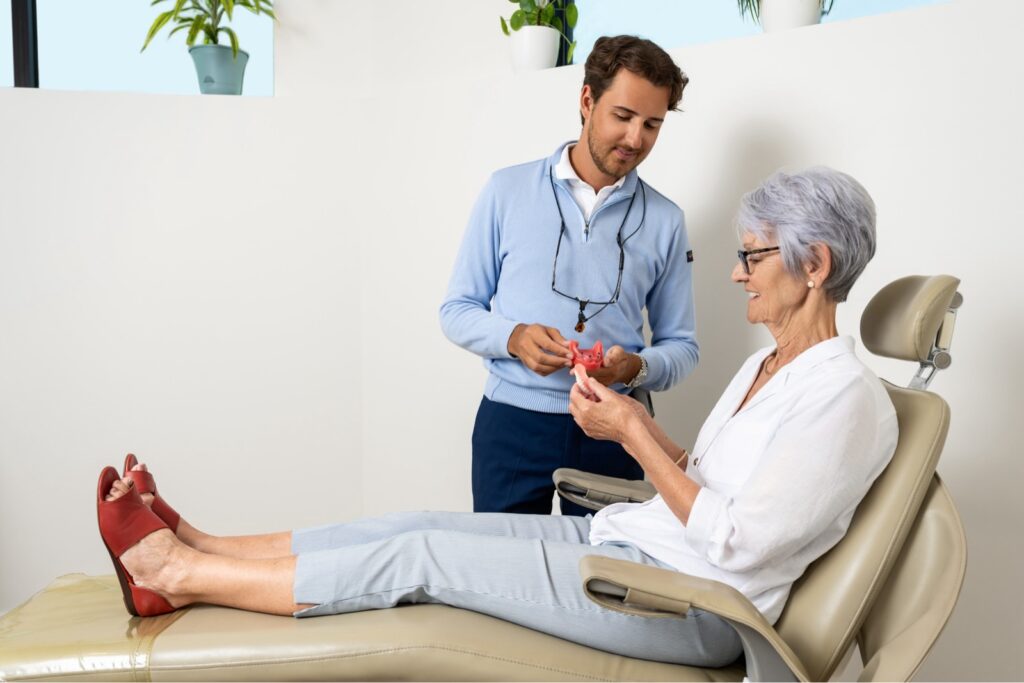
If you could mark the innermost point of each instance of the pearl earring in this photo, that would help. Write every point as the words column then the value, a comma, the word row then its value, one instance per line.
column 810, row 283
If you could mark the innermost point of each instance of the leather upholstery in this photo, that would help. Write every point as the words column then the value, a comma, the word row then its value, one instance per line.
column 919, row 596
column 903, row 318
column 77, row 629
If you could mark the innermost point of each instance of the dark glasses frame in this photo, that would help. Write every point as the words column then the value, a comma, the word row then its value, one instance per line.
column 744, row 253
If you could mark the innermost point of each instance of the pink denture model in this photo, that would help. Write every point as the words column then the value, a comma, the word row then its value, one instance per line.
column 591, row 359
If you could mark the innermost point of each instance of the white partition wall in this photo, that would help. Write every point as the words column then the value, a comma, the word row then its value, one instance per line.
column 245, row 291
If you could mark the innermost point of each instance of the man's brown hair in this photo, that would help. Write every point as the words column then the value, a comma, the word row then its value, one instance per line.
column 642, row 57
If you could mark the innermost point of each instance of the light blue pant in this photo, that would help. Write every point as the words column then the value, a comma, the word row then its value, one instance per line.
column 520, row 568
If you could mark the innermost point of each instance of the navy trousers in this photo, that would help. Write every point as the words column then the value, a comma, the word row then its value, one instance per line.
column 515, row 451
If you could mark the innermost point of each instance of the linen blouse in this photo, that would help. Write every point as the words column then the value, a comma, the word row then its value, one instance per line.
column 780, row 478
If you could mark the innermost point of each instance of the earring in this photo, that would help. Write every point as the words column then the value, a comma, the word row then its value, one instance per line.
column 810, row 283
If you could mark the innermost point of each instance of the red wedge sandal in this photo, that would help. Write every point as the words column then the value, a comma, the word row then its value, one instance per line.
column 123, row 523
column 145, row 483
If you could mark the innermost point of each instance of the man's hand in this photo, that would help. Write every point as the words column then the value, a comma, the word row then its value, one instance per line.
column 542, row 349
column 618, row 366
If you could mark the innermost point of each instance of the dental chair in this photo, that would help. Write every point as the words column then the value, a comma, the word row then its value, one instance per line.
column 889, row 586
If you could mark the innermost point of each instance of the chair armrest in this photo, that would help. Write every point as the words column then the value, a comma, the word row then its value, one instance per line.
column 653, row 592
column 594, row 491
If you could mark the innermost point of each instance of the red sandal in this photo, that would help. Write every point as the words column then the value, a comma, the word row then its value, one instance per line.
column 123, row 523
column 145, row 483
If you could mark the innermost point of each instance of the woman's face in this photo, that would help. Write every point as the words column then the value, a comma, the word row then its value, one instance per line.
column 775, row 295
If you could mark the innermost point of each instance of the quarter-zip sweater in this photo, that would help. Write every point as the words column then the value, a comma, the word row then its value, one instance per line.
column 503, row 277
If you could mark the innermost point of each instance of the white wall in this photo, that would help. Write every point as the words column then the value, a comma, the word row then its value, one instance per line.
column 324, row 46
column 275, row 352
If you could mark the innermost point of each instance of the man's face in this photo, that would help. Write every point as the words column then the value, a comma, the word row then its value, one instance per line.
column 622, row 127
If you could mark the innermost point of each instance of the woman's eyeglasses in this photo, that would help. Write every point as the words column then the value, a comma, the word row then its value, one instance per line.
column 745, row 255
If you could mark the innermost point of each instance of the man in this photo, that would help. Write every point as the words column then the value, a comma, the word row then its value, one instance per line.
column 573, row 247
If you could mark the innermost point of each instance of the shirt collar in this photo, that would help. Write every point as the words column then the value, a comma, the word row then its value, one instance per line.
column 565, row 171
column 817, row 354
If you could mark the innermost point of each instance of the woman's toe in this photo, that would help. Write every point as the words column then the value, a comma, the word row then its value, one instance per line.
column 118, row 488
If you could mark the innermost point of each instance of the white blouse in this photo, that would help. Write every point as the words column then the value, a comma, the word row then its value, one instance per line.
column 780, row 479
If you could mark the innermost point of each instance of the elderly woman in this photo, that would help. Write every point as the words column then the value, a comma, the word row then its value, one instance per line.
column 781, row 463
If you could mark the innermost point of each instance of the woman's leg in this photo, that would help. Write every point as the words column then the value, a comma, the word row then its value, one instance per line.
column 252, row 547
column 529, row 581
column 553, row 528
column 184, row 575
column 370, row 529
column 246, row 547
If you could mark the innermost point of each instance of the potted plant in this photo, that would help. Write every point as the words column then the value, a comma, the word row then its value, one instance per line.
column 778, row 15
column 220, row 68
column 537, row 31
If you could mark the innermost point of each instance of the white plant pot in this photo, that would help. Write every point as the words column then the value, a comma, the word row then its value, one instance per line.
column 534, row 48
column 779, row 15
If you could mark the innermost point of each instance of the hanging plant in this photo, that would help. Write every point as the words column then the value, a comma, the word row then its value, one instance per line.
column 544, row 13
column 204, row 17
column 752, row 8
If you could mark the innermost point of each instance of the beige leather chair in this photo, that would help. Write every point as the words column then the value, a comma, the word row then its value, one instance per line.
column 890, row 584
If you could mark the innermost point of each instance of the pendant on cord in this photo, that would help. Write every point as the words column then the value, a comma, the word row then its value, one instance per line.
column 581, row 320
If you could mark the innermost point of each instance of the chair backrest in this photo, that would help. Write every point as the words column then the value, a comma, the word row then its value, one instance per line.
column 919, row 597
column 834, row 597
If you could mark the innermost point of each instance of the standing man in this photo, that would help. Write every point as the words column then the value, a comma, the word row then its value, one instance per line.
column 572, row 247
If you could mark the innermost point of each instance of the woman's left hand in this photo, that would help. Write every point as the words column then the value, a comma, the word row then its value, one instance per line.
column 603, row 415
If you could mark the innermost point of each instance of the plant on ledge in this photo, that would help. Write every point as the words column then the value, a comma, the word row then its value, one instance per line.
column 544, row 13
column 205, row 17
column 752, row 8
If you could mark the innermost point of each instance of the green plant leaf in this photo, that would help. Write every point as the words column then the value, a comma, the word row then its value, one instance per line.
column 528, row 5
column 158, row 24
column 749, row 8
column 517, row 19
column 193, row 32
column 547, row 14
column 504, row 26
column 178, row 5
column 572, row 15
column 568, row 53
column 531, row 18
column 234, row 40
column 229, row 5
column 176, row 29
column 556, row 23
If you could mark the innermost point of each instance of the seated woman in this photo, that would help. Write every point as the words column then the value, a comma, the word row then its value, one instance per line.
column 781, row 463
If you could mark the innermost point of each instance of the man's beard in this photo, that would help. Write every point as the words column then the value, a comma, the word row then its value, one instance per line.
column 599, row 158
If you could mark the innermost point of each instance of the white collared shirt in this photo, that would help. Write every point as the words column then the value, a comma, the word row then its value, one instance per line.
column 780, row 478
column 582, row 192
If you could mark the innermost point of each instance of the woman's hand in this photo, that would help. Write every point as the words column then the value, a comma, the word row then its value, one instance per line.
column 600, row 412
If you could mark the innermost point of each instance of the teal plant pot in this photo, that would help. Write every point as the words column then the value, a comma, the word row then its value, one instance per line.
column 219, row 72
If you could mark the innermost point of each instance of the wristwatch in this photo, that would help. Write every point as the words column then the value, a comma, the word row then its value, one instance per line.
column 641, row 376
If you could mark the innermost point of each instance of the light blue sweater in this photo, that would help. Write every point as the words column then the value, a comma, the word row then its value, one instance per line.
column 502, row 277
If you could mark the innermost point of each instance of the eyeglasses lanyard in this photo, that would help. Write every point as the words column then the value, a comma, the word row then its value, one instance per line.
column 582, row 319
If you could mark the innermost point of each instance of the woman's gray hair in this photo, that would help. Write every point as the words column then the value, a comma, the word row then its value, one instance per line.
column 819, row 204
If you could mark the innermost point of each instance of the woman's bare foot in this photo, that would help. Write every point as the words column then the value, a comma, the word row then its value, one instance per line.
column 186, row 533
column 158, row 561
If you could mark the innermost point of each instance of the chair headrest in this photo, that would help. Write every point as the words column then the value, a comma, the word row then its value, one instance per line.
column 903, row 319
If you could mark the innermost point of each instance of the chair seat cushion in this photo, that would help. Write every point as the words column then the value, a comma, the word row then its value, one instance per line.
column 77, row 629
